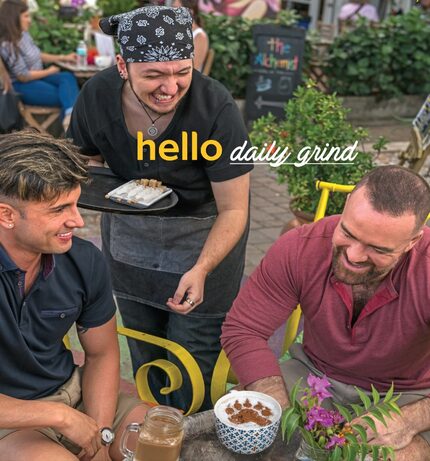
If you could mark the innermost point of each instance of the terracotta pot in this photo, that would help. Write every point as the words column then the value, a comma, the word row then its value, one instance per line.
column 300, row 218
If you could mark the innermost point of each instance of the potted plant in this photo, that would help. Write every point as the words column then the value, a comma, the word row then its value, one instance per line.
column 313, row 118
column 339, row 434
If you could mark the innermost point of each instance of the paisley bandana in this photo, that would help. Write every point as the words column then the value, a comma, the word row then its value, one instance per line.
column 152, row 33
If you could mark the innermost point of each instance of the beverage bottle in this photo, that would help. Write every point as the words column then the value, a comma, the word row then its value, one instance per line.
column 81, row 51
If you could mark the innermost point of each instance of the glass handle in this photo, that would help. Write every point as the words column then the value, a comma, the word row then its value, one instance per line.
column 135, row 427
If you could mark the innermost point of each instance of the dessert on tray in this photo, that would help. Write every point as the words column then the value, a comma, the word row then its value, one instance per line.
column 140, row 193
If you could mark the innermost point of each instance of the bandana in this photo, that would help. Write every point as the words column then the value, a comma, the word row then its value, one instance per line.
column 152, row 33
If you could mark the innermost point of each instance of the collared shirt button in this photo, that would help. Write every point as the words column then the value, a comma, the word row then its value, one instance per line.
column 146, row 164
column 62, row 315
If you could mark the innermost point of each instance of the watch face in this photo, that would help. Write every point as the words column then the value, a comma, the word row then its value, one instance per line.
column 107, row 436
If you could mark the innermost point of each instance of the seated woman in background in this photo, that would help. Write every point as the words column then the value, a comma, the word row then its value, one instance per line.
column 201, row 40
column 24, row 61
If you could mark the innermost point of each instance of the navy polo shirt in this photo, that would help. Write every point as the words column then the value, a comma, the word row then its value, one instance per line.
column 71, row 287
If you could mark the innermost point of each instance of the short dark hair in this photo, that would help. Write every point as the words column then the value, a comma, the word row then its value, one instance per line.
column 396, row 191
column 38, row 167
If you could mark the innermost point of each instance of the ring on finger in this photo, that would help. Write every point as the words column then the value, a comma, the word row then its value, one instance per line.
column 190, row 302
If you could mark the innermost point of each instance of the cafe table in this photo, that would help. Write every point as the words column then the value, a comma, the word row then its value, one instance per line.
column 201, row 443
column 80, row 72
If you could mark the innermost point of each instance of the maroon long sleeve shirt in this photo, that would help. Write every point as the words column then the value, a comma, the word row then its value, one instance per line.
column 389, row 342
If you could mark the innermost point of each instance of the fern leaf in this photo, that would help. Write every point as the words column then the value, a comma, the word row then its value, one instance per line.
column 364, row 398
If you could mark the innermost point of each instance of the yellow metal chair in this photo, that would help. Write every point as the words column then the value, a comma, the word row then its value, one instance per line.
column 172, row 371
column 222, row 373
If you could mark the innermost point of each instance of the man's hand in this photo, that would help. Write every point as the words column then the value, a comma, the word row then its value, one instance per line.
column 273, row 386
column 398, row 433
column 82, row 430
column 192, row 284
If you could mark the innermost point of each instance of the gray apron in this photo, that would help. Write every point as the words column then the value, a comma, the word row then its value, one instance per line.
column 149, row 254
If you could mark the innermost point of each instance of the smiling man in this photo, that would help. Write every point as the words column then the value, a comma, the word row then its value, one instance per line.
column 362, row 280
column 175, row 272
column 50, row 409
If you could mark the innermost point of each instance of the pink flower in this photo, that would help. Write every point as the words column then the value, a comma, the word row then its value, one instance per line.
column 318, row 415
column 337, row 417
column 318, row 387
column 335, row 440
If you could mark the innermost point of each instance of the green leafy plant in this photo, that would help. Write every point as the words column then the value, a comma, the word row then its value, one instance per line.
column 385, row 61
column 337, row 432
column 54, row 35
column 110, row 7
column 313, row 118
column 231, row 39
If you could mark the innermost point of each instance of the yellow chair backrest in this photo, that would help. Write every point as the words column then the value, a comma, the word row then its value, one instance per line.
column 172, row 371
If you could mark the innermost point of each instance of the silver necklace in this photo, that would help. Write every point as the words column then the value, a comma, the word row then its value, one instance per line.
column 152, row 130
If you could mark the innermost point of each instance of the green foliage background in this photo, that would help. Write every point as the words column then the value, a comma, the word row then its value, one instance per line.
column 313, row 118
column 49, row 31
column 388, row 60
column 231, row 39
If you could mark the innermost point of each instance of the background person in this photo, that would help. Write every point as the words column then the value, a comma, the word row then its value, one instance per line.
column 50, row 409
column 200, row 37
column 189, row 259
column 362, row 282
column 24, row 61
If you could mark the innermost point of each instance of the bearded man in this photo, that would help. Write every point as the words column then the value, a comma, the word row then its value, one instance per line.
column 362, row 282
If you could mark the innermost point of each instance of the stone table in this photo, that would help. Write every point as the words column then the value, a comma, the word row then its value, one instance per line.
column 201, row 443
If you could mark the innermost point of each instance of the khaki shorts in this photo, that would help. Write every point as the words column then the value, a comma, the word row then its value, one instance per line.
column 299, row 366
column 70, row 394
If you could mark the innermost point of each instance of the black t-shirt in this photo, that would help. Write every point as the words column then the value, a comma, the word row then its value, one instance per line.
column 72, row 287
column 98, row 127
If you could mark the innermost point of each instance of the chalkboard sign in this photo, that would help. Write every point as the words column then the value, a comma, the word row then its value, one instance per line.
column 276, row 69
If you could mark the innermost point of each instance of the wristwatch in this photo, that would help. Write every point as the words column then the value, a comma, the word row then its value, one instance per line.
column 108, row 436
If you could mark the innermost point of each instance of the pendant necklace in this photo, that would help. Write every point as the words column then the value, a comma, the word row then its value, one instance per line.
column 152, row 130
